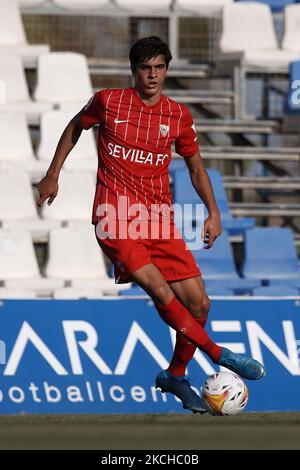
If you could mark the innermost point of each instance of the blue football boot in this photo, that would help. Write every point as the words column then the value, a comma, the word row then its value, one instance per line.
column 181, row 388
column 245, row 367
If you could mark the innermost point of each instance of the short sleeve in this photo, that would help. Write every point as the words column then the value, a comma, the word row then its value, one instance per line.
column 186, row 143
column 91, row 114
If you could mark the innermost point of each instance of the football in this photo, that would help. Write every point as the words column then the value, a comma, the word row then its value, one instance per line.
column 224, row 394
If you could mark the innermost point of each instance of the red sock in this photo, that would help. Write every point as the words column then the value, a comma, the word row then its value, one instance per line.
column 178, row 317
column 183, row 352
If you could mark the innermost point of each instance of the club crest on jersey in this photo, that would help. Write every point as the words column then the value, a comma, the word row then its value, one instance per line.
column 164, row 129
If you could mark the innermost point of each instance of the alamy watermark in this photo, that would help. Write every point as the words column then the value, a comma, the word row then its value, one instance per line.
column 154, row 221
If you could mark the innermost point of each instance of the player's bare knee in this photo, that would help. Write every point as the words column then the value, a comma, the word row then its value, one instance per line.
column 206, row 303
column 162, row 292
column 200, row 308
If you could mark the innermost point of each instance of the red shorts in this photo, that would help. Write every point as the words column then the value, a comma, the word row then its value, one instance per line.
column 170, row 255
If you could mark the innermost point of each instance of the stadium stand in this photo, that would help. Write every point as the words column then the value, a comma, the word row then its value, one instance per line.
column 235, row 126
column 16, row 150
column 202, row 7
column 142, row 7
column 248, row 52
column 17, row 97
column 270, row 254
column 17, row 206
column 18, row 264
column 285, row 282
column 70, row 293
column 212, row 291
column 76, row 198
column 218, row 267
column 290, row 41
column 275, row 5
column 17, row 294
column 184, row 193
column 217, row 263
column 279, row 291
column 80, row 4
column 63, row 80
column 75, row 256
column 12, row 35
column 134, row 290
column 224, row 97
column 82, row 157
column 219, row 291
column 30, row 3
column 259, row 49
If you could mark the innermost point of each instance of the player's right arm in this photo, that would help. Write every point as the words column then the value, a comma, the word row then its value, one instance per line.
column 48, row 186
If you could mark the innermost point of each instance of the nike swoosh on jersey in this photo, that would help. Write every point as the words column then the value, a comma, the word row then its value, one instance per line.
column 116, row 121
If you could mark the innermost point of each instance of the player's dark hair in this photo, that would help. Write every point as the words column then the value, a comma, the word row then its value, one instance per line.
column 147, row 48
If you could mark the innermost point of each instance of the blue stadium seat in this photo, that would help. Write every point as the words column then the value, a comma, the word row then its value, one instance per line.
column 177, row 164
column 270, row 253
column 281, row 291
column 218, row 268
column 221, row 291
column 239, row 286
column 285, row 282
column 211, row 291
column 218, row 262
column 275, row 5
column 184, row 193
column 292, row 102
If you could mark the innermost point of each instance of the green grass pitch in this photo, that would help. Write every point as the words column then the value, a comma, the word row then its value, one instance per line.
column 168, row 431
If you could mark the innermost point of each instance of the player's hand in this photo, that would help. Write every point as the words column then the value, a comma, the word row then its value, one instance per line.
column 211, row 230
column 48, row 189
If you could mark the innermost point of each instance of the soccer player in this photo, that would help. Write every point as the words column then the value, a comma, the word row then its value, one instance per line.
column 137, row 127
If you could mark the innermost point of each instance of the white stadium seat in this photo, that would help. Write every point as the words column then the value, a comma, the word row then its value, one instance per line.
column 30, row 3
column 17, row 98
column 84, row 154
column 18, row 264
column 248, row 33
column 16, row 150
column 69, row 293
column 202, row 7
column 17, row 256
column 17, row 205
column 136, row 5
column 74, row 200
column 81, row 4
column 107, row 286
column 291, row 38
column 74, row 255
column 72, row 106
column 239, row 20
column 12, row 35
column 63, row 77
column 6, row 294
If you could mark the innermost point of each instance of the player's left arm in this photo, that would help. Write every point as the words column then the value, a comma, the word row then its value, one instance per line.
column 200, row 180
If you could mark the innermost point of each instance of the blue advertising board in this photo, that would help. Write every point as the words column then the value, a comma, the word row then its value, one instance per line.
column 102, row 356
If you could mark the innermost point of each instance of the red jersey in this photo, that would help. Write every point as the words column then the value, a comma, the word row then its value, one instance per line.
column 134, row 145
